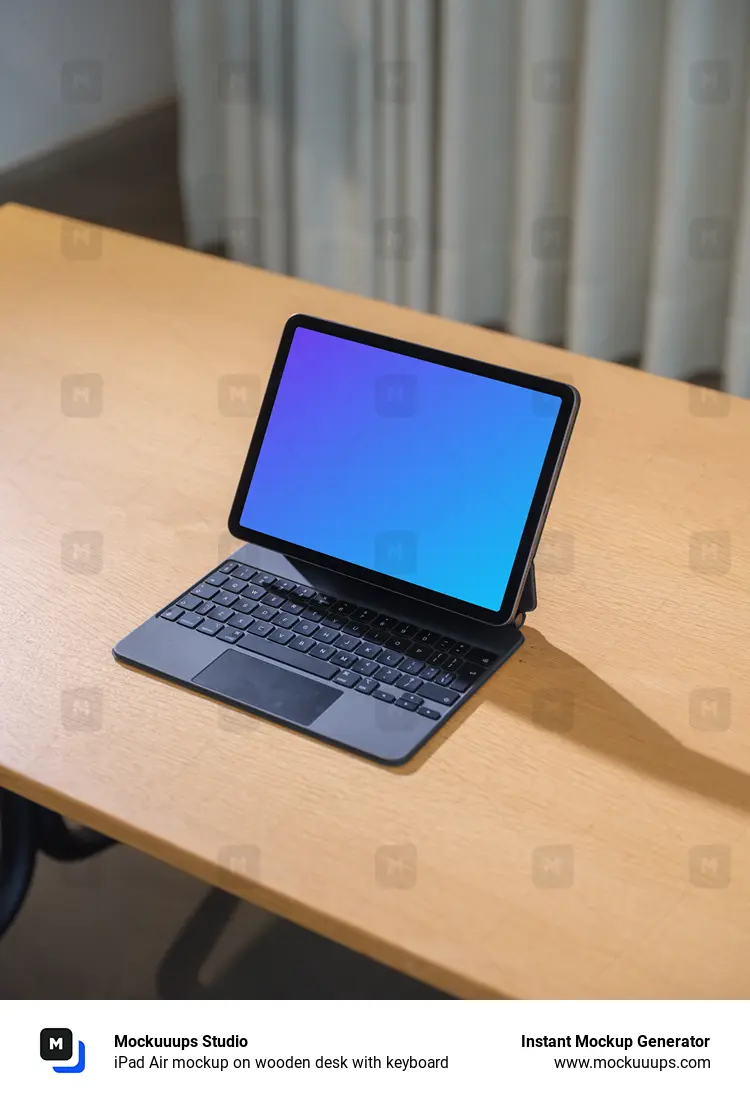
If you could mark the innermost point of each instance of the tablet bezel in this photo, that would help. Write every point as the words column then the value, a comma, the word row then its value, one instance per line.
column 570, row 400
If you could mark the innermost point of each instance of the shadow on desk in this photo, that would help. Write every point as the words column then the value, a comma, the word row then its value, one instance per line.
column 563, row 696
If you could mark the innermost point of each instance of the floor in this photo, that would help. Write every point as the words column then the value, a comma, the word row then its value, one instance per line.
column 124, row 924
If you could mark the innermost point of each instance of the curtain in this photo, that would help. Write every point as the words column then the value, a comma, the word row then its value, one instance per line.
column 575, row 171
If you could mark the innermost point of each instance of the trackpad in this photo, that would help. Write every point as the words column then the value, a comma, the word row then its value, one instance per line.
column 264, row 686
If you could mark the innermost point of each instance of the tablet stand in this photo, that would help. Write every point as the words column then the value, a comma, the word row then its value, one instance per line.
column 528, row 596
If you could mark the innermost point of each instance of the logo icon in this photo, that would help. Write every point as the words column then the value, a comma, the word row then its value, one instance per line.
column 56, row 1045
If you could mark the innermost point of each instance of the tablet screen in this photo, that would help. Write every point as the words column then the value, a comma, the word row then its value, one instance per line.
column 419, row 471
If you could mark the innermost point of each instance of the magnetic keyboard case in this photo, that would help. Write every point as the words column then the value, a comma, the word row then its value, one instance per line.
column 330, row 699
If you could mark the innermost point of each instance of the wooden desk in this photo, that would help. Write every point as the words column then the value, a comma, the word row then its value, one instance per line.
column 576, row 832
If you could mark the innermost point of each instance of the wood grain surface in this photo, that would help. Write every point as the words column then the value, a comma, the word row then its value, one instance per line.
column 579, row 830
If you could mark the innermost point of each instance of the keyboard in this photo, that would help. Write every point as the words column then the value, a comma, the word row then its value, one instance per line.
column 392, row 661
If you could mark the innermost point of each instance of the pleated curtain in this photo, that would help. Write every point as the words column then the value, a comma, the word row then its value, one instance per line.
column 576, row 171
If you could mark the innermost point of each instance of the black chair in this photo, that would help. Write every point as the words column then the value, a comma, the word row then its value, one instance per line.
column 25, row 829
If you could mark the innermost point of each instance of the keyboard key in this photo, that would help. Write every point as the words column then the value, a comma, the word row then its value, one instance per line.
column 245, row 606
column 387, row 657
column 341, row 607
column 428, row 712
column 221, row 614
column 414, row 698
column 228, row 567
column 399, row 644
column 366, row 686
column 244, row 573
column 406, row 704
column 281, row 585
column 302, row 643
column 427, row 637
column 345, row 660
column 404, row 630
column 421, row 652
column 204, row 608
column 288, row 656
column 482, row 658
column 208, row 627
column 326, row 634
column 387, row 675
column 444, row 644
column 383, row 696
column 411, row 665
column 303, row 592
column 441, row 658
column 409, row 683
column 323, row 652
column 355, row 628
column 363, row 615
column 226, row 599
column 438, row 695
column 283, row 618
column 264, row 579
column 347, row 678
column 229, row 634
column 334, row 620
column 172, row 613
column 312, row 615
column 261, row 629
column 380, row 637
column 190, row 619
column 322, row 602
column 240, row 622
column 430, row 672
column 347, row 642
column 255, row 592
column 368, row 649
column 304, row 626
column 189, row 603
column 384, row 622
column 280, row 636
column 232, row 585
column 292, row 607
column 452, row 663
column 216, row 579
column 366, row 668
column 461, row 649
column 264, row 613
column 205, row 591
column 443, row 679
column 273, row 601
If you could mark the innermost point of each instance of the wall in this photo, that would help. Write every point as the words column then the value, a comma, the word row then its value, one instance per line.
column 70, row 67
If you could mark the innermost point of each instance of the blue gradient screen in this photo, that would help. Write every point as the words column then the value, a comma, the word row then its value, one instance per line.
column 416, row 470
